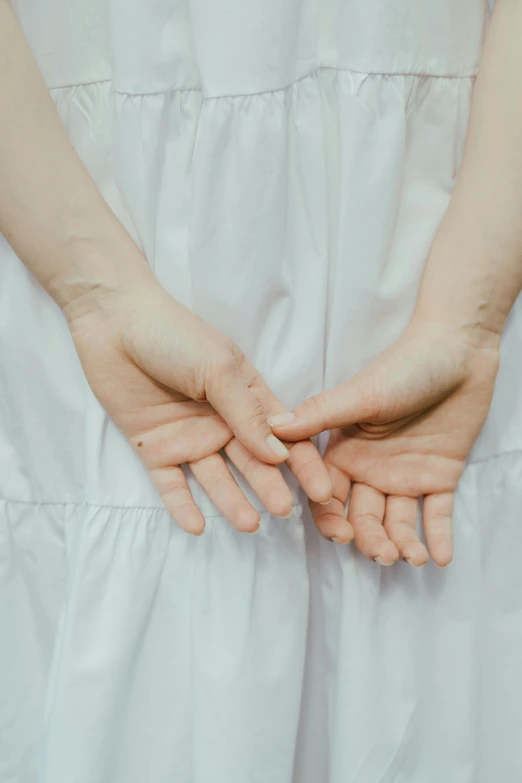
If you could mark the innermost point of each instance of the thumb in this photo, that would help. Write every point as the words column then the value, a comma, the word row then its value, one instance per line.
column 230, row 396
column 400, row 383
column 359, row 399
column 417, row 372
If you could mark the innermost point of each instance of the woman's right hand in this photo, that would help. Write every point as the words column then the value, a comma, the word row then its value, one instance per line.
column 180, row 392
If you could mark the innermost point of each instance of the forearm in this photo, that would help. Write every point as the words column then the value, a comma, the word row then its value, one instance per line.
column 51, row 212
column 474, row 271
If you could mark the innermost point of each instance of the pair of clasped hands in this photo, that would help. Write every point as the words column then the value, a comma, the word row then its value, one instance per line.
column 401, row 429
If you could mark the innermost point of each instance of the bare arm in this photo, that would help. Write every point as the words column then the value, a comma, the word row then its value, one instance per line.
column 407, row 422
column 50, row 210
column 153, row 365
column 474, row 272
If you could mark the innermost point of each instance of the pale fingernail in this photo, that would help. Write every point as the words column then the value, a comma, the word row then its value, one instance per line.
column 337, row 540
column 414, row 565
column 287, row 516
column 325, row 502
column 279, row 449
column 280, row 418
column 380, row 561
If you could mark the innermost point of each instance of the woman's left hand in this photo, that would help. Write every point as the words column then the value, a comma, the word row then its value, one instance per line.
column 403, row 429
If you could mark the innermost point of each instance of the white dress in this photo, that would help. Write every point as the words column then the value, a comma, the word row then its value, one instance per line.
column 284, row 165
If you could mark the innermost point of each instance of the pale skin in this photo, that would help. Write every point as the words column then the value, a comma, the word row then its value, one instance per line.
column 178, row 389
column 181, row 392
column 403, row 427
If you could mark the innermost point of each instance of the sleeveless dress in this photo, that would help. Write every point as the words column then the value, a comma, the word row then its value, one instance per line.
column 284, row 167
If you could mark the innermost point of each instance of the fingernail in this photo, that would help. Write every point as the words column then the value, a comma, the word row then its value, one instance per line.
column 279, row 449
column 380, row 561
column 280, row 418
column 413, row 565
column 337, row 540
column 325, row 502
column 287, row 516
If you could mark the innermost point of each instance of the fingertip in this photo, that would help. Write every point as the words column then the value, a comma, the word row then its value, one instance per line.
column 279, row 501
column 248, row 521
column 416, row 562
column 332, row 526
column 441, row 550
column 192, row 528
column 320, row 492
column 282, row 510
column 343, row 536
column 277, row 448
column 323, row 502
column 443, row 560
column 193, row 523
column 415, row 555
column 387, row 555
column 305, row 422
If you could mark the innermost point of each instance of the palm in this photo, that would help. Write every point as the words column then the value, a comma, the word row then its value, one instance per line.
column 164, row 426
column 405, row 427
column 391, row 460
column 424, row 455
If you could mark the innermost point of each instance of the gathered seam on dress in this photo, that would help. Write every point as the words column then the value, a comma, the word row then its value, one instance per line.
column 111, row 507
column 311, row 74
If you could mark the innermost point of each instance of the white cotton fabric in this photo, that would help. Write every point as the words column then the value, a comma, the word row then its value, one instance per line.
column 284, row 166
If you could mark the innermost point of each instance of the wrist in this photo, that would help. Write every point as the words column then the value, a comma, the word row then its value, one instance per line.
column 95, row 278
column 472, row 326
column 470, row 333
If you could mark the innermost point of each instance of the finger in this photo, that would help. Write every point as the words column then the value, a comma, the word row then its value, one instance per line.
column 228, row 392
column 359, row 399
column 266, row 480
column 182, row 437
column 177, row 498
column 330, row 518
column 400, row 520
column 309, row 469
column 222, row 489
column 304, row 461
column 437, row 510
column 366, row 514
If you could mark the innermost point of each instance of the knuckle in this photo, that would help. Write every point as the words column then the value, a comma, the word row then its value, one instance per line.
column 166, row 481
column 376, row 431
column 316, row 408
column 237, row 353
column 403, row 540
column 304, row 468
column 251, row 466
column 222, row 363
column 398, row 525
column 256, row 417
column 366, row 518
